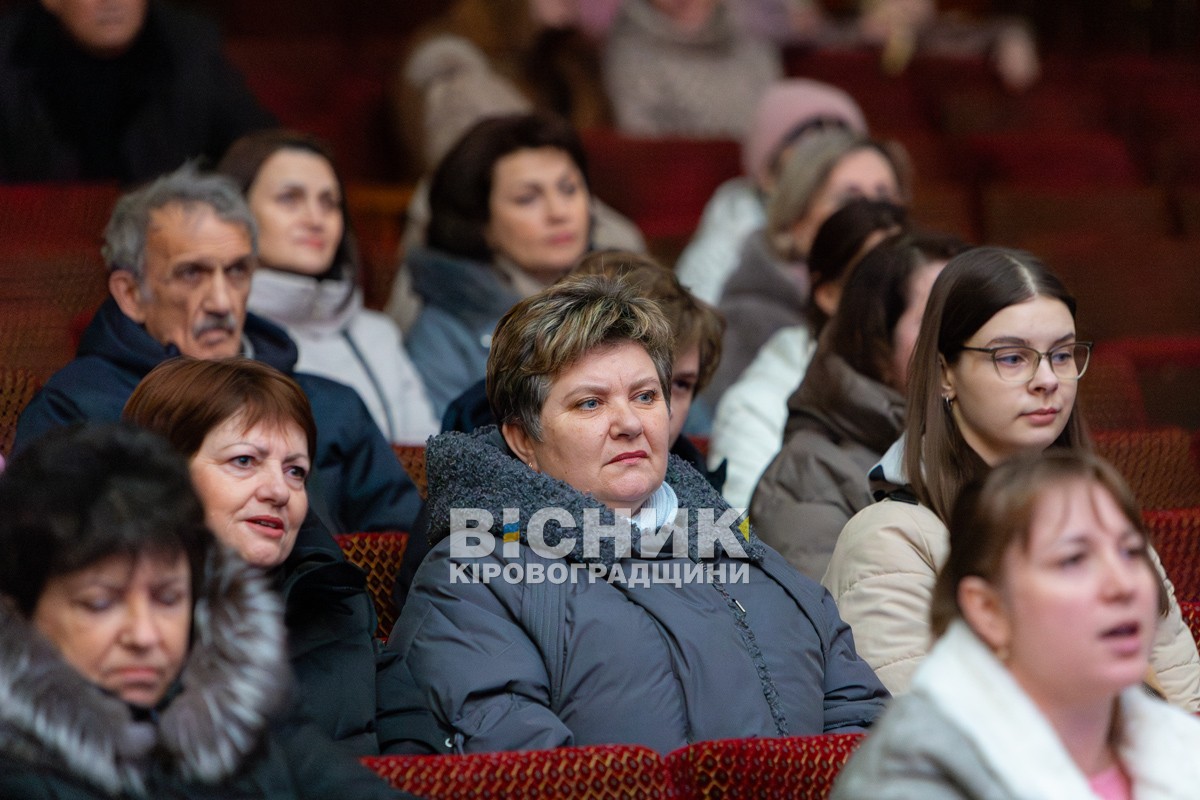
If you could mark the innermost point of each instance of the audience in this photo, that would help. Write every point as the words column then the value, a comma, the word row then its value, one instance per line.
column 994, row 374
column 579, row 377
column 849, row 408
column 748, row 427
column 121, row 90
column 684, row 68
column 770, row 288
column 509, row 215
column 1045, row 614
column 181, row 253
column 138, row 658
column 787, row 111
column 307, row 281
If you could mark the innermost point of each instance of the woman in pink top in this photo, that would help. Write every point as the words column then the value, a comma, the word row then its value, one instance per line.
column 1038, row 684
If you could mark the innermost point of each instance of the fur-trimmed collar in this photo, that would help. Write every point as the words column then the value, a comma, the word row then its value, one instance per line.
column 234, row 679
column 477, row 470
column 972, row 688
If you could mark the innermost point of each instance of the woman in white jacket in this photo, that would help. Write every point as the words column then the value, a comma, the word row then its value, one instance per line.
column 1045, row 611
column 307, row 279
column 994, row 375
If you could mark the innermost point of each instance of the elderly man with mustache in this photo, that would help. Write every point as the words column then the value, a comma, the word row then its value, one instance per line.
column 181, row 252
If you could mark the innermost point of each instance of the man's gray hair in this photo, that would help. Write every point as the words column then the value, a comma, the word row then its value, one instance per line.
column 125, row 235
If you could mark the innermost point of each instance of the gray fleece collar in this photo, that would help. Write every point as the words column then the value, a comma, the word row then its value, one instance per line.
column 477, row 470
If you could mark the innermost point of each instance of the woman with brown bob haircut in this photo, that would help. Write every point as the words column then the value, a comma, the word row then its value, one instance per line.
column 247, row 432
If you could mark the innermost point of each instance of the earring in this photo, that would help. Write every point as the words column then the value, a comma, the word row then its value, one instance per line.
column 947, row 400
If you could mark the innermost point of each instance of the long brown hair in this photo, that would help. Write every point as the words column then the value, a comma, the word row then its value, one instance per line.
column 973, row 287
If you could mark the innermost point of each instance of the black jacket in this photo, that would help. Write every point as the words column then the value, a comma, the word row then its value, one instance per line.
column 67, row 115
column 331, row 639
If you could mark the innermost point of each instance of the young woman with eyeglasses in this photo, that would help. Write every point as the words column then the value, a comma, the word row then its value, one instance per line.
column 994, row 375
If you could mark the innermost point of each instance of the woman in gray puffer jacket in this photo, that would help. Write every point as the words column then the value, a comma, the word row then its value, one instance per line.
column 584, row 588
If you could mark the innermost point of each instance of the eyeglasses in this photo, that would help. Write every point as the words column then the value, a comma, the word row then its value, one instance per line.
column 1019, row 364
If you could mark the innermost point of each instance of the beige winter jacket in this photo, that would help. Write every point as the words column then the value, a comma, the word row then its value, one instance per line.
column 881, row 576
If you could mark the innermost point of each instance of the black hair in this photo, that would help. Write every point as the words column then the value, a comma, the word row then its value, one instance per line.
column 86, row 492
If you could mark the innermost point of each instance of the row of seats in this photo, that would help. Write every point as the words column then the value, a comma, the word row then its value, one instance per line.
column 796, row 768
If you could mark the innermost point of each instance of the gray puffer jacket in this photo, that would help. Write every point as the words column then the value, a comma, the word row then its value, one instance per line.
column 839, row 423
column 597, row 658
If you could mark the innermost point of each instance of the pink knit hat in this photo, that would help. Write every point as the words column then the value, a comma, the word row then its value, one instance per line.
column 784, row 107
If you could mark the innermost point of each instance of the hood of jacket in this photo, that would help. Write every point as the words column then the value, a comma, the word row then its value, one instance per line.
column 718, row 30
column 469, row 290
column 478, row 471
column 845, row 404
column 322, row 307
column 50, row 715
column 762, row 277
column 116, row 338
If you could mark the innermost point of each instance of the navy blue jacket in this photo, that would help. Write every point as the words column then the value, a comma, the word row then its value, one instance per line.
column 358, row 484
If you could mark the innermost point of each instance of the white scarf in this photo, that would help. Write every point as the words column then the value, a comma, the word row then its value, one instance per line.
column 1159, row 745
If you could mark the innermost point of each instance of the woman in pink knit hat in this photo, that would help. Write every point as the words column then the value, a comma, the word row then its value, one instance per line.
column 786, row 112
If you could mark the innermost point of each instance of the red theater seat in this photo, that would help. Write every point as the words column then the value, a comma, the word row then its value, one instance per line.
column 379, row 554
column 1176, row 536
column 795, row 768
column 600, row 772
column 662, row 184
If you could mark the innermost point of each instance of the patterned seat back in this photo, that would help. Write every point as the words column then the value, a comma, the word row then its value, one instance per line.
column 1191, row 617
column 17, row 388
column 598, row 772
column 1175, row 533
column 1158, row 464
column 795, row 768
column 412, row 458
column 379, row 554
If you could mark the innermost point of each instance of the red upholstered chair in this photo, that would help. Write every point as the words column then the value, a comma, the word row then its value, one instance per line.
column 1053, row 158
column 1016, row 213
column 379, row 554
column 1158, row 463
column 34, row 335
column 1110, row 394
column 796, row 768
column 17, row 388
column 412, row 458
column 1191, row 616
column 55, row 217
column 662, row 184
column 1176, row 536
column 600, row 772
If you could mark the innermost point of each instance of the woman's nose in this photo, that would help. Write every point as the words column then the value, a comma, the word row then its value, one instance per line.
column 1044, row 378
column 273, row 488
column 1121, row 576
column 141, row 628
column 625, row 420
